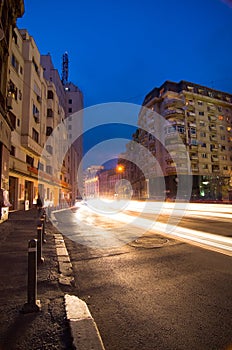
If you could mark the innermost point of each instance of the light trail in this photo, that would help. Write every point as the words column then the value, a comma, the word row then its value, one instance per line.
column 200, row 238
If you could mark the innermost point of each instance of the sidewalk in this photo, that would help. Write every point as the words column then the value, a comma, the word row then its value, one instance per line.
column 44, row 330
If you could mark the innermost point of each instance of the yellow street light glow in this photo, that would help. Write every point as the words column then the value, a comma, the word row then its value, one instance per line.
column 120, row 168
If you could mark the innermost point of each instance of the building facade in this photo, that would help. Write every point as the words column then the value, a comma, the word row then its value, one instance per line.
column 41, row 161
column 71, row 100
column 198, row 118
column 33, row 169
column 9, row 12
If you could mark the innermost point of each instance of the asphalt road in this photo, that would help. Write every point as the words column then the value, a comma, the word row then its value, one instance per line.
column 173, row 297
column 154, row 292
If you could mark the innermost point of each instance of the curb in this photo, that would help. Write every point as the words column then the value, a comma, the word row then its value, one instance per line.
column 65, row 266
column 83, row 328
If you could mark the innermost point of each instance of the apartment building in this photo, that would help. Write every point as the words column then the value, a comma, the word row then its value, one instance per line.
column 74, row 111
column 71, row 99
column 35, row 112
column 9, row 12
column 91, row 181
column 198, row 118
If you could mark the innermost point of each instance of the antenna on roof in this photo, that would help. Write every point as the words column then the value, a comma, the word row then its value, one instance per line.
column 65, row 68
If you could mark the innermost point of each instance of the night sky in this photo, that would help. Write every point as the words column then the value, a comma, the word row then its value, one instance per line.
column 120, row 50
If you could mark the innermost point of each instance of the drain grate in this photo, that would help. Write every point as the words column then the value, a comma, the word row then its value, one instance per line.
column 148, row 242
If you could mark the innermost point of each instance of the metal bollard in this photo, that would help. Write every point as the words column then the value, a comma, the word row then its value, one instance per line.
column 32, row 305
column 40, row 259
column 42, row 219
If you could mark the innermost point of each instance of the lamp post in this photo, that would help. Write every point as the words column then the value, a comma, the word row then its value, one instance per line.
column 120, row 170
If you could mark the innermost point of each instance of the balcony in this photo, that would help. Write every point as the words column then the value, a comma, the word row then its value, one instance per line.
column 215, row 159
column 173, row 102
column 191, row 114
column 179, row 113
column 212, row 128
column 194, row 125
column 31, row 145
column 193, row 157
column 171, row 170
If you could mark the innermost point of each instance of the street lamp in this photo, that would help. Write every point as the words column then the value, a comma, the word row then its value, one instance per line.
column 120, row 168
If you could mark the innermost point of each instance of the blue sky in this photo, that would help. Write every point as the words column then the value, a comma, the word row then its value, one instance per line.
column 120, row 50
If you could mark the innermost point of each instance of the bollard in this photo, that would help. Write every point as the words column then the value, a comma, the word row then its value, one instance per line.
column 40, row 259
column 32, row 305
column 42, row 219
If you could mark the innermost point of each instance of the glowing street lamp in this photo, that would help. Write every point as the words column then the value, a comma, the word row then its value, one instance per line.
column 120, row 168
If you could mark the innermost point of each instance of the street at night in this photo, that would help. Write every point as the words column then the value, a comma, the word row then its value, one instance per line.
column 116, row 175
column 156, row 292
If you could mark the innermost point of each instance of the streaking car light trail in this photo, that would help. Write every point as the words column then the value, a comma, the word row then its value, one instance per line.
column 203, row 239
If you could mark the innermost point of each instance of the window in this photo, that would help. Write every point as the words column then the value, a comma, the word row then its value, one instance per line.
column 70, row 101
column 223, row 137
column 49, row 169
column 12, row 151
column 40, row 166
column 49, row 131
column 12, row 119
column 15, row 38
column 202, row 123
column 201, row 113
column 204, row 155
column 35, row 135
column 29, row 160
column 202, row 134
column 49, row 149
column 170, row 129
column 203, row 145
column 12, row 90
column 35, row 110
column 35, row 66
column 213, row 147
column 181, row 129
column 200, row 103
column 15, row 63
column 194, row 142
column 70, row 110
column 50, row 95
column 49, row 113
column 204, row 166
column 193, row 131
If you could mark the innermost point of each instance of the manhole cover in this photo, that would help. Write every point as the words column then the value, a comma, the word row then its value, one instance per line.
column 149, row 242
